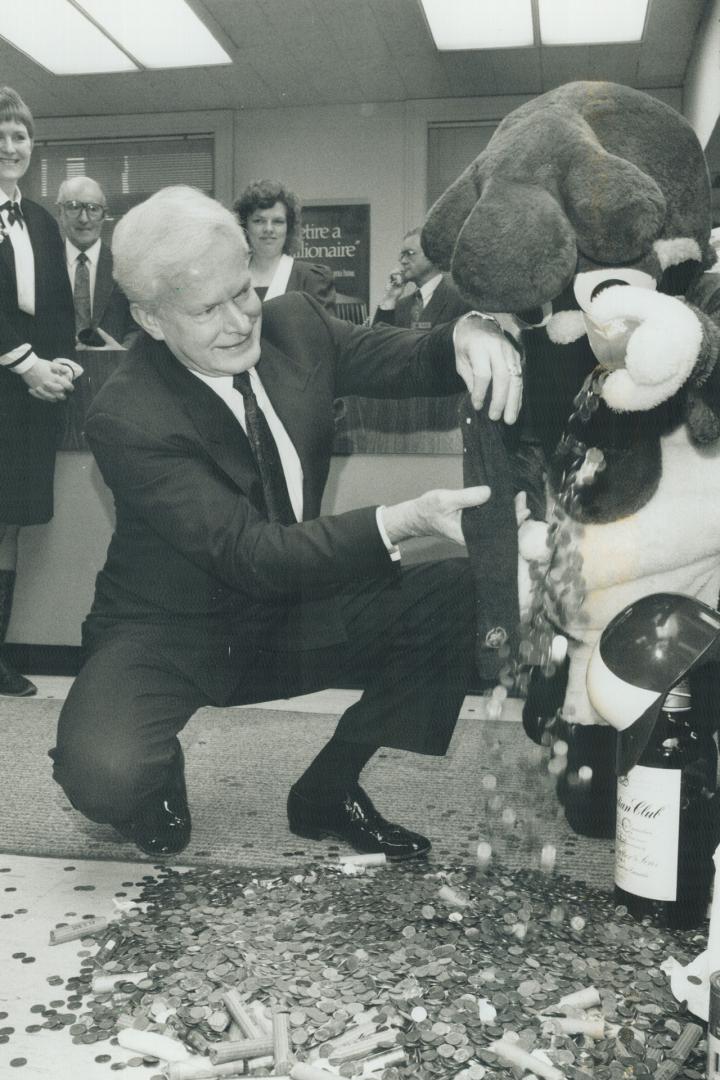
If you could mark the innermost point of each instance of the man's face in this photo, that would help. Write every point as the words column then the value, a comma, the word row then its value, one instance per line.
column 82, row 212
column 210, row 314
column 413, row 263
column 15, row 150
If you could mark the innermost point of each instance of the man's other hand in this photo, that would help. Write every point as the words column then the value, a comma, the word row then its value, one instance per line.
column 436, row 513
column 485, row 358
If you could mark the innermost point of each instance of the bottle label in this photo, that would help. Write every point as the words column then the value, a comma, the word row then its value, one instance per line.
column 648, row 832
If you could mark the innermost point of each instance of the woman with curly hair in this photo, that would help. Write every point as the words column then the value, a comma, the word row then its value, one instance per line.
column 270, row 215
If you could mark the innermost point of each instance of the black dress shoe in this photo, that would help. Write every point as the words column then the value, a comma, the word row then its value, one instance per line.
column 162, row 825
column 356, row 821
column 13, row 684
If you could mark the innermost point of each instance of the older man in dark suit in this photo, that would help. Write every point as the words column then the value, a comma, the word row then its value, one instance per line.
column 102, row 311
column 222, row 584
column 434, row 298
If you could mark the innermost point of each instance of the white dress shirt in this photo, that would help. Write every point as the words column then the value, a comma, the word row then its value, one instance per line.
column 24, row 258
column 223, row 387
column 427, row 290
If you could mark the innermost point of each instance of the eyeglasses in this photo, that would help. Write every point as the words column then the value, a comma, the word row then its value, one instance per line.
column 73, row 209
column 407, row 253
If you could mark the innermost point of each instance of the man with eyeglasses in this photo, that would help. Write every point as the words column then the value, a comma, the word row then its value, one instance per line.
column 434, row 298
column 102, row 312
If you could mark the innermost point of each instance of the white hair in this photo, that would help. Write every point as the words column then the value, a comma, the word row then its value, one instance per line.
column 76, row 181
column 153, row 242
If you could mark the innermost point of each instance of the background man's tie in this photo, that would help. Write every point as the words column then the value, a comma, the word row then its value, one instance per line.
column 416, row 309
column 81, row 293
column 267, row 456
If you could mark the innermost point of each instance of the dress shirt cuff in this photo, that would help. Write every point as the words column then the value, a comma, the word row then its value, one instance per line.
column 502, row 323
column 392, row 549
column 19, row 360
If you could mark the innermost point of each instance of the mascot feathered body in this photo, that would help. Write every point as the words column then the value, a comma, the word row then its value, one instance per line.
column 587, row 218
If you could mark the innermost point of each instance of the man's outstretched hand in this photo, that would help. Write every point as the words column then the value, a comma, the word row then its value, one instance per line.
column 436, row 513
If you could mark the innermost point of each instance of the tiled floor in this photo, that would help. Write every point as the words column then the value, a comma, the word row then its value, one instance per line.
column 36, row 894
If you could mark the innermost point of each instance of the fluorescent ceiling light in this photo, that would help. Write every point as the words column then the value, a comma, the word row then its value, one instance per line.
column 589, row 22
column 56, row 35
column 475, row 24
column 157, row 33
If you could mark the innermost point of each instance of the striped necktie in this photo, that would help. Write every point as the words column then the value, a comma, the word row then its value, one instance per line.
column 416, row 309
column 81, row 293
column 267, row 455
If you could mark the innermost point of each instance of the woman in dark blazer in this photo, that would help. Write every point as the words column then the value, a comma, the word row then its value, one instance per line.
column 270, row 216
column 37, row 335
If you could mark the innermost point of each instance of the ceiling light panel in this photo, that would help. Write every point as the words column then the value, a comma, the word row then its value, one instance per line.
column 158, row 33
column 475, row 24
column 57, row 36
column 589, row 22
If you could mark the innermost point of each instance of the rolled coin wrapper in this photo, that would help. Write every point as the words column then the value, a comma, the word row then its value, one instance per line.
column 242, row 1016
column 75, row 931
column 152, row 1044
column 369, row 859
column 245, row 1050
column 203, row 1070
column 512, row 1054
column 281, row 1038
column 301, row 1071
column 106, row 983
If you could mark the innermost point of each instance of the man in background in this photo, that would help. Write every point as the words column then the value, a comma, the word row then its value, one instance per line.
column 434, row 299
column 102, row 312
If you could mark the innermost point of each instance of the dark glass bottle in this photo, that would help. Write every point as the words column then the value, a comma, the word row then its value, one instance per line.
column 666, row 807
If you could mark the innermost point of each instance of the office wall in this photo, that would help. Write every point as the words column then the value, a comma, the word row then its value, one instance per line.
column 701, row 95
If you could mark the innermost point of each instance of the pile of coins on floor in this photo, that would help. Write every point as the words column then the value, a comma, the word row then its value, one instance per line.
column 388, row 972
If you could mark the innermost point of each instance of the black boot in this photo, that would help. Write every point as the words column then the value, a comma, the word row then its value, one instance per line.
column 12, row 683
column 589, row 797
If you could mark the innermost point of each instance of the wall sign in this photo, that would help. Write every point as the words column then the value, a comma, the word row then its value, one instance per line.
column 338, row 235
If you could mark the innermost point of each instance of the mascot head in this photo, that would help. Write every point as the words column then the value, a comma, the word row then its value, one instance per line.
column 590, row 177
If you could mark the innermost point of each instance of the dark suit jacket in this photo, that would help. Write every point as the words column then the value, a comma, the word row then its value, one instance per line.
column 111, row 309
column 446, row 304
column 192, row 550
column 28, row 427
column 315, row 280
column 51, row 330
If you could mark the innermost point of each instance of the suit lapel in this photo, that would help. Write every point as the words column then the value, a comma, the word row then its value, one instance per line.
column 284, row 380
column 8, row 257
column 434, row 309
column 103, row 285
column 220, row 433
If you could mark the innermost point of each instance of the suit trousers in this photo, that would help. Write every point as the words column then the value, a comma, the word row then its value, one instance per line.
column 410, row 645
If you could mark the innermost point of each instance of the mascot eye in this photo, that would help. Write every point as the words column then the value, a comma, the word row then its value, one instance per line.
column 588, row 284
column 606, row 285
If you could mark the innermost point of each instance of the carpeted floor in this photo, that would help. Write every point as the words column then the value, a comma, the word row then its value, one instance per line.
column 241, row 762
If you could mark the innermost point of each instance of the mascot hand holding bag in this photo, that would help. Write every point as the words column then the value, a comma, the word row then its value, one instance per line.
column 587, row 218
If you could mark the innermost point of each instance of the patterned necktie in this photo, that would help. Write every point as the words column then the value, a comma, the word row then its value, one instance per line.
column 81, row 293
column 267, row 456
column 416, row 309
column 14, row 213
